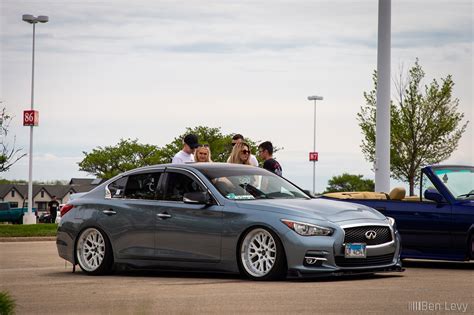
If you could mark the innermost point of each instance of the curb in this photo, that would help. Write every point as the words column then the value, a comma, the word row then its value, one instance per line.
column 27, row 239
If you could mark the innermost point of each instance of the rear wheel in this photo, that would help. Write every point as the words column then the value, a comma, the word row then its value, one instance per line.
column 261, row 255
column 93, row 252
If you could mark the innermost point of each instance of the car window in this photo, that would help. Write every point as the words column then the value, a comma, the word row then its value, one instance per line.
column 142, row 186
column 178, row 184
column 116, row 188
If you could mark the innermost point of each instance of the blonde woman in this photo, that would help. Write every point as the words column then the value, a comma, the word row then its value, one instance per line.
column 240, row 154
column 202, row 154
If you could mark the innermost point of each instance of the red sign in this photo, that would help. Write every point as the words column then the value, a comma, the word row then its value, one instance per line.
column 313, row 156
column 30, row 118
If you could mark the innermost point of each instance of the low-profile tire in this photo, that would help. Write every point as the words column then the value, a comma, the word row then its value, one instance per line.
column 261, row 255
column 93, row 252
column 471, row 246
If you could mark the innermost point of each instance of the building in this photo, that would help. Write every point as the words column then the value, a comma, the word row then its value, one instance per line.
column 17, row 194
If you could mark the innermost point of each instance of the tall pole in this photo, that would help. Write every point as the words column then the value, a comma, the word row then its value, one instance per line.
column 314, row 150
column 382, row 129
column 29, row 217
column 30, row 168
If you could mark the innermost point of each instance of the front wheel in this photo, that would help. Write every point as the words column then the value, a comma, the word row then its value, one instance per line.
column 261, row 255
column 471, row 244
column 93, row 252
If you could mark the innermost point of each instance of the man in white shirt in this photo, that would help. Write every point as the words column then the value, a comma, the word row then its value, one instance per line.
column 190, row 143
column 239, row 138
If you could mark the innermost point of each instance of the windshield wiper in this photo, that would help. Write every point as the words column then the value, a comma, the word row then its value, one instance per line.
column 467, row 195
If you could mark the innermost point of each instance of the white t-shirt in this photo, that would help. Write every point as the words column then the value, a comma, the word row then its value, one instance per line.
column 253, row 160
column 182, row 157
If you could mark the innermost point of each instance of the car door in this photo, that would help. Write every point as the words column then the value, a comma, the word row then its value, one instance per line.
column 187, row 232
column 129, row 216
column 425, row 225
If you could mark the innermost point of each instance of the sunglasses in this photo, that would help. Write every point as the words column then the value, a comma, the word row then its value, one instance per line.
column 245, row 151
column 203, row 145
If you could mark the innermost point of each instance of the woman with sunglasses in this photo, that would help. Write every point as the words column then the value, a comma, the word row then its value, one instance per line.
column 202, row 154
column 240, row 154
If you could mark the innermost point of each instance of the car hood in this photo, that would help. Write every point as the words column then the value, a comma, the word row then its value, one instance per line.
column 319, row 209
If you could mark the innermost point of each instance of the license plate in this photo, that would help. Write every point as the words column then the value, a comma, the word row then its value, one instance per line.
column 355, row 250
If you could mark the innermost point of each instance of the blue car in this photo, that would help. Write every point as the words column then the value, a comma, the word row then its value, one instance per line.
column 222, row 217
column 436, row 224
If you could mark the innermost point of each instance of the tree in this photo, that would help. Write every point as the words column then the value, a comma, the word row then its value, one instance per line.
column 9, row 155
column 348, row 182
column 106, row 162
column 219, row 143
column 425, row 124
column 129, row 154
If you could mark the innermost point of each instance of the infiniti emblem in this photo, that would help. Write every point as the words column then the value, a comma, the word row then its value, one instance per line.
column 370, row 235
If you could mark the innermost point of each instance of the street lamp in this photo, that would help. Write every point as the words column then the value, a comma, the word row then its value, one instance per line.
column 30, row 218
column 315, row 158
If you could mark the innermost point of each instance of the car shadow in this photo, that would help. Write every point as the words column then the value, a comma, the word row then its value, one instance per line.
column 438, row 264
column 226, row 277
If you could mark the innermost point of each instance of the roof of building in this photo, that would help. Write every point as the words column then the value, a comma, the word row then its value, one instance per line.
column 78, row 185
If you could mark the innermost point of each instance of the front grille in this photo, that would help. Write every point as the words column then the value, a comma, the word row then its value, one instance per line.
column 341, row 261
column 357, row 234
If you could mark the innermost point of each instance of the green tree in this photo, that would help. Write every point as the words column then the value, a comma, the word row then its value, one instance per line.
column 425, row 124
column 9, row 155
column 106, row 162
column 219, row 143
column 348, row 182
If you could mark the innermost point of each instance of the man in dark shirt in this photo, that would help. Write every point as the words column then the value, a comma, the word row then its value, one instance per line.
column 265, row 151
column 53, row 206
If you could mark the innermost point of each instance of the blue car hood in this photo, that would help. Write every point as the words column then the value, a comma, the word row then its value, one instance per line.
column 318, row 209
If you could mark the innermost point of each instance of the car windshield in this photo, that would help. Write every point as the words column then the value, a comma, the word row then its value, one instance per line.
column 458, row 180
column 254, row 183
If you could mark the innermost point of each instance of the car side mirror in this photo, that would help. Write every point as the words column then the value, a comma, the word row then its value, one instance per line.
column 433, row 194
column 197, row 197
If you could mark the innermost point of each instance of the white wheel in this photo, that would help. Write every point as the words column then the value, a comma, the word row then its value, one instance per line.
column 261, row 255
column 92, row 252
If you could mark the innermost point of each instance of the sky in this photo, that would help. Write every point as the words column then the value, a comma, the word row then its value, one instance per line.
column 146, row 70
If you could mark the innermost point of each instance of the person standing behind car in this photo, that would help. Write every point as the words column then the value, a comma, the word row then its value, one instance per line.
column 240, row 154
column 53, row 206
column 237, row 138
column 265, row 151
column 202, row 154
column 190, row 143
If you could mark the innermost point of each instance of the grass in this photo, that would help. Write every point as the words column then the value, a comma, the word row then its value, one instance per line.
column 7, row 303
column 23, row 230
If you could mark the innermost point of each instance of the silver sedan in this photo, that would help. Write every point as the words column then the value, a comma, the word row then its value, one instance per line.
column 222, row 217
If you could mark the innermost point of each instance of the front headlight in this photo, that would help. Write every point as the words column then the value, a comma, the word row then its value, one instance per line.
column 391, row 220
column 307, row 229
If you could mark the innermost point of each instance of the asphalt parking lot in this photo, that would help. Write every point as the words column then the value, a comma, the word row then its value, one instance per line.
column 41, row 283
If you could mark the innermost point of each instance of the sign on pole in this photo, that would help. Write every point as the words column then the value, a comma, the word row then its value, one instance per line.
column 30, row 118
column 313, row 156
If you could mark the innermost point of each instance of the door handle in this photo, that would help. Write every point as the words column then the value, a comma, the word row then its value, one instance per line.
column 109, row 212
column 164, row 215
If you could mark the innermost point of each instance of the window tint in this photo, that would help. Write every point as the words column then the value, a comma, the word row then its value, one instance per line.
column 115, row 189
column 142, row 186
column 179, row 184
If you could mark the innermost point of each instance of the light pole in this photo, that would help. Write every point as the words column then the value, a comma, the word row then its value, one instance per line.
column 314, row 98
column 30, row 218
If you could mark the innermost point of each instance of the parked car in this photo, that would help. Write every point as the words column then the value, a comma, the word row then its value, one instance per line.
column 224, row 217
column 437, row 224
column 13, row 215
